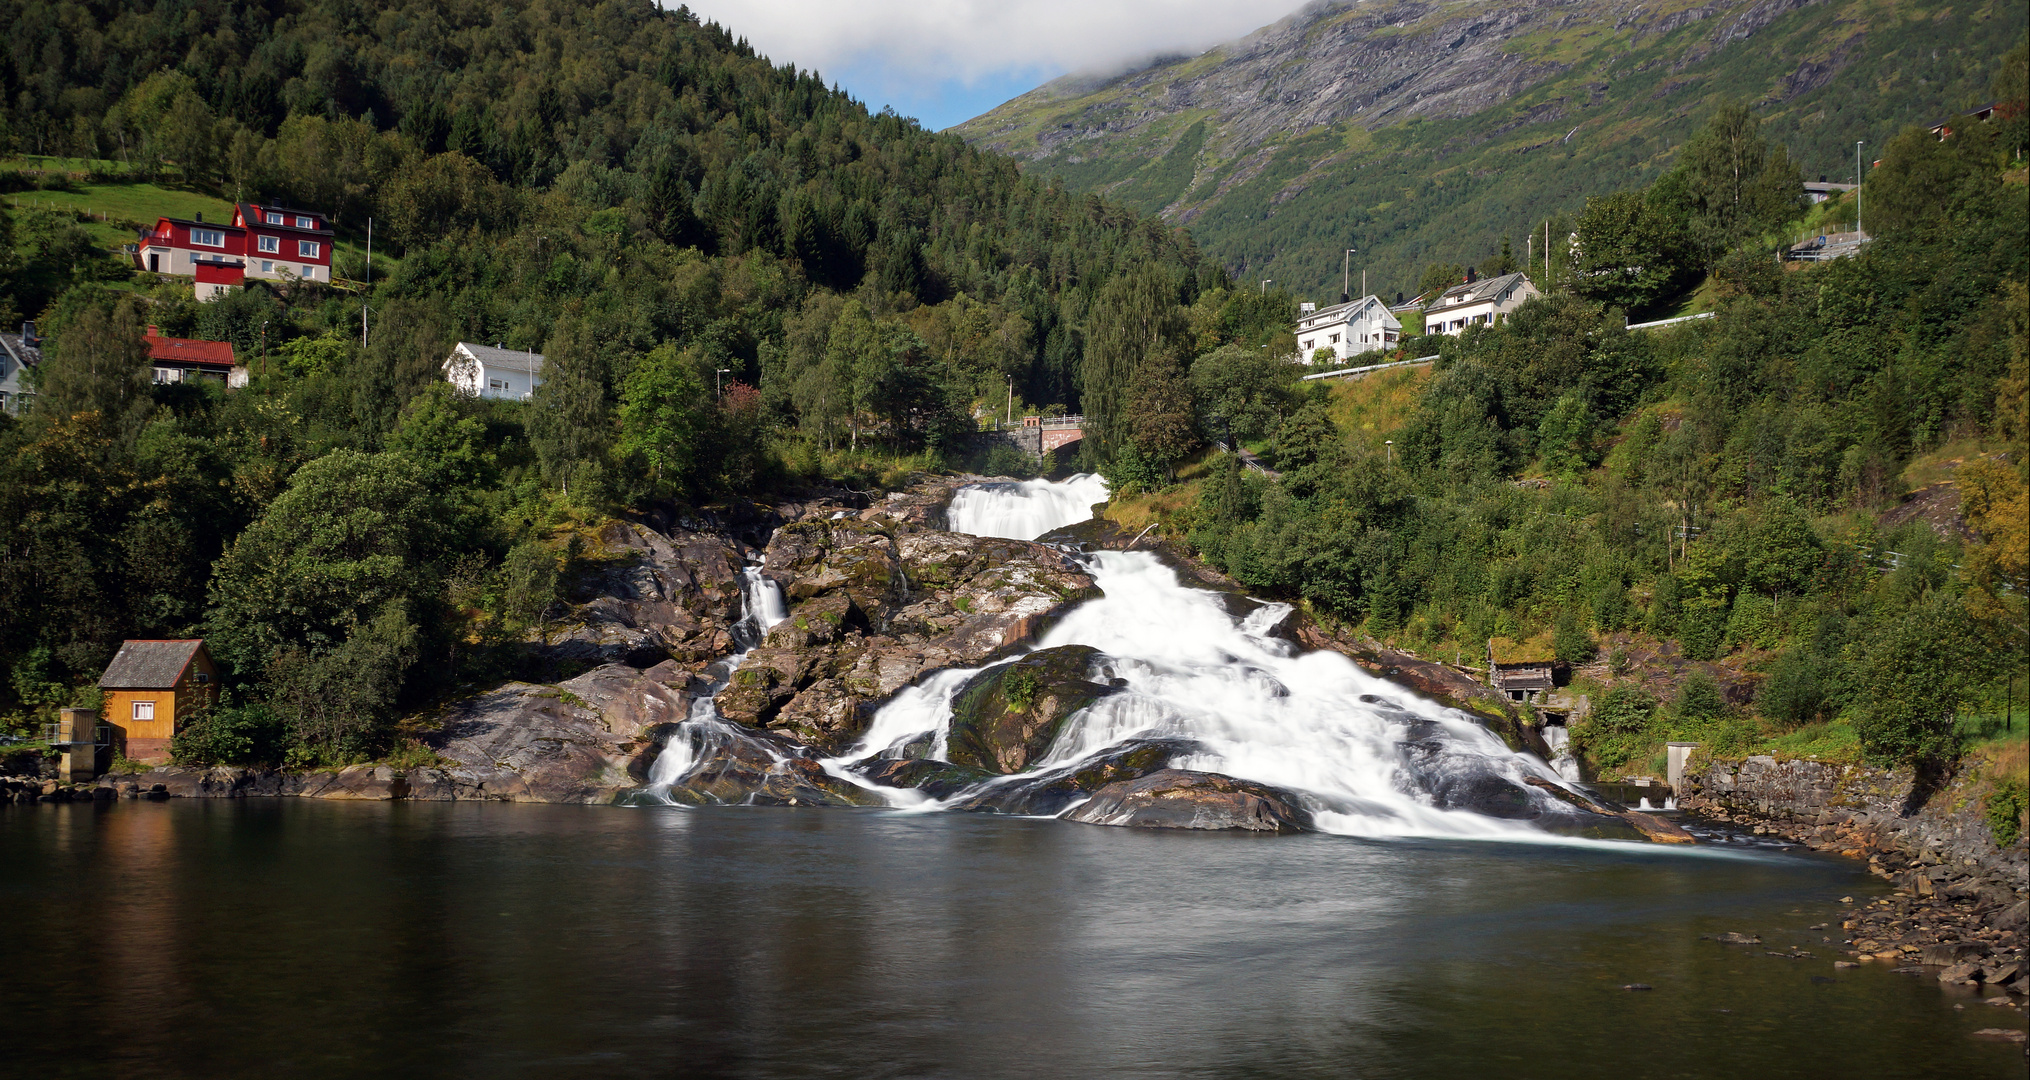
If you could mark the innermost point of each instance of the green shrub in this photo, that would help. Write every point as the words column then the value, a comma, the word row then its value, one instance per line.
column 2005, row 805
column 1019, row 687
column 243, row 735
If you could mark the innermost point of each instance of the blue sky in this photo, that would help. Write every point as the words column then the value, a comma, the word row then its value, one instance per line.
column 947, row 61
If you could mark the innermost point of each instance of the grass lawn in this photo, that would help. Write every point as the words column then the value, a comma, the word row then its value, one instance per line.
column 120, row 207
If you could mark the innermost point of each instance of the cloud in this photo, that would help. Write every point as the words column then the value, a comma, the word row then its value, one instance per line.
column 971, row 41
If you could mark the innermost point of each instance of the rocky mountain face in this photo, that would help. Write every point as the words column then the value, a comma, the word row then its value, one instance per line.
column 1419, row 131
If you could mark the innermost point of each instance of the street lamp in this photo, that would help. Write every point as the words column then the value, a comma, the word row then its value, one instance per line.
column 1389, row 451
column 1265, row 285
column 716, row 392
column 1346, row 275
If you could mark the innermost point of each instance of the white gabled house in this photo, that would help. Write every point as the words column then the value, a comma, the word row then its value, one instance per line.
column 1348, row 329
column 493, row 372
column 1477, row 302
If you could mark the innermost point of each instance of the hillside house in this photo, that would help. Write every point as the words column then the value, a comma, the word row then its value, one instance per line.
column 1477, row 302
column 1521, row 670
column 1348, row 329
column 188, row 359
column 149, row 687
column 268, row 242
column 18, row 353
column 494, row 372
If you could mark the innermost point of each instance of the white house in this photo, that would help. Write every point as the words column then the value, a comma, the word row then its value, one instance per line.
column 488, row 371
column 1477, row 303
column 18, row 353
column 1348, row 329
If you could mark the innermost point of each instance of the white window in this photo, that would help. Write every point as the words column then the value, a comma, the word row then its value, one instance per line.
column 496, row 384
column 1335, row 339
column 208, row 238
column 274, row 218
column 307, row 249
column 168, row 375
column 310, row 273
column 144, row 710
column 305, row 223
column 1307, row 345
column 271, row 243
column 267, row 266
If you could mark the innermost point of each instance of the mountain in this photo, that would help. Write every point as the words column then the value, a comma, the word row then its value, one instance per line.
column 1427, row 132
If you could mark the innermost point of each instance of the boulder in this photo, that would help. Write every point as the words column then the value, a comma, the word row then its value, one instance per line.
column 937, row 779
column 731, row 765
column 1006, row 716
column 1177, row 799
column 1050, row 793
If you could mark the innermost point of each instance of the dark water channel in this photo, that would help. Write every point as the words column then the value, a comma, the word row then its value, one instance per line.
column 285, row 938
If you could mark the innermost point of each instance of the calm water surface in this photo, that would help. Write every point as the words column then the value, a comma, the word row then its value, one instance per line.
column 304, row 938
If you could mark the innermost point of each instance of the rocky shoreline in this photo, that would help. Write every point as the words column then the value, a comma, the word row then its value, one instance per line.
column 1961, row 904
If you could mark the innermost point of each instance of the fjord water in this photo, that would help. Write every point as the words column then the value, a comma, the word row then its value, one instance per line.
column 305, row 938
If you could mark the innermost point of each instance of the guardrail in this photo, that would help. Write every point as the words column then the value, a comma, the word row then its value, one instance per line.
column 1371, row 367
column 1670, row 322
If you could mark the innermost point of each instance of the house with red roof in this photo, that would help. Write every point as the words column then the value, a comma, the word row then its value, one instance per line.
column 273, row 243
column 187, row 359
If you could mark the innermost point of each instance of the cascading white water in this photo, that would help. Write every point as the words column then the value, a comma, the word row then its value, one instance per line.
column 1362, row 752
column 702, row 733
column 1560, row 742
column 1025, row 510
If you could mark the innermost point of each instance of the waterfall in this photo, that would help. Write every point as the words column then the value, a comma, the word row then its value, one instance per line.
column 1560, row 742
column 702, row 734
column 1365, row 755
column 1025, row 510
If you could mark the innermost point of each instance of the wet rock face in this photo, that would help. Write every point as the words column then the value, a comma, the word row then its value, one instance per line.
column 585, row 740
column 1051, row 792
column 1005, row 718
column 1177, row 799
column 876, row 603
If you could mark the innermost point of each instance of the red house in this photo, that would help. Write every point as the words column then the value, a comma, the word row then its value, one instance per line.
column 269, row 242
column 185, row 359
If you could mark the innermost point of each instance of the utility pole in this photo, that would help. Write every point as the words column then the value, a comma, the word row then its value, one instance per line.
column 1011, row 403
column 363, row 285
column 1346, row 276
column 717, row 392
column 264, row 346
column 1857, row 187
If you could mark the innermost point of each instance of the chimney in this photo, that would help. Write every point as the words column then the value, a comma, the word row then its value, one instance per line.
column 1345, row 298
column 199, row 217
column 154, row 331
column 28, row 334
column 1472, row 275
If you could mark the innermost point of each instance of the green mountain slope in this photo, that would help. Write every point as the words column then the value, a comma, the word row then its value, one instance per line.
column 1426, row 132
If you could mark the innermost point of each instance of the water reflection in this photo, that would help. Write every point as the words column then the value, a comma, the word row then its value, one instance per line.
column 311, row 939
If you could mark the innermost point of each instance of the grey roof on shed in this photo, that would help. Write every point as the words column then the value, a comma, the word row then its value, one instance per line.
column 149, row 665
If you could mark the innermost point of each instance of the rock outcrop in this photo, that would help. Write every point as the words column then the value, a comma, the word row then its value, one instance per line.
column 1962, row 902
column 1005, row 718
column 644, row 596
column 878, row 600
column 1177, row 799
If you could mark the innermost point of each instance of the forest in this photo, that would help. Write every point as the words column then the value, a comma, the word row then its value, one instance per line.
column 744, row 282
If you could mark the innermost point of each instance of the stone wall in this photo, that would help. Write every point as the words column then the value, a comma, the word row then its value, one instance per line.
column 1932, row 842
